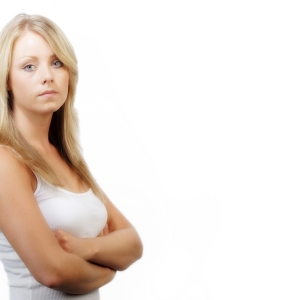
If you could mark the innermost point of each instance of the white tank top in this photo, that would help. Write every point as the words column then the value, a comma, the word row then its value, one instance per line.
column 82, row 215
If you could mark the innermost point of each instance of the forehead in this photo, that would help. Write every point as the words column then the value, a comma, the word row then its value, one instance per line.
column 30, row 44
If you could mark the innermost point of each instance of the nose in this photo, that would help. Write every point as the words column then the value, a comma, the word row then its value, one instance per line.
column 48, row 79
column 47, row 75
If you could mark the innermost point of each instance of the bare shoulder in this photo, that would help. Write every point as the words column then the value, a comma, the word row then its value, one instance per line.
column 13, row 172
column 7, row 156
column 21, row 219
column 16, row 191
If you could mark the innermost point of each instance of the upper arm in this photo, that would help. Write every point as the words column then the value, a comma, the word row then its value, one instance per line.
column 115, row 219
column 21, row 220
column 127, row 245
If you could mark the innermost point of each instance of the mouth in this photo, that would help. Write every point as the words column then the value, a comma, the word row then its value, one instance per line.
column 48, row 93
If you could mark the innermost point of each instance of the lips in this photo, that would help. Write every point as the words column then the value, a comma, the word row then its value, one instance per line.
column 48, row 92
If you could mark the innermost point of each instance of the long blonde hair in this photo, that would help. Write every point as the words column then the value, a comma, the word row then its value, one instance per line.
column 64, row 124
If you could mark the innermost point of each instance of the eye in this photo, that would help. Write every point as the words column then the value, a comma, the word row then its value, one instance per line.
column 57, row 63
column 29, row 67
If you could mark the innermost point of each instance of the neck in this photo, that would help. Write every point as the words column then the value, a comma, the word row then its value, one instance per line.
column 34, row 129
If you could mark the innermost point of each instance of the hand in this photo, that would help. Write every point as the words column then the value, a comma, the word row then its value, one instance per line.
column 105, row 231
column 79, row 246
column 72, row 244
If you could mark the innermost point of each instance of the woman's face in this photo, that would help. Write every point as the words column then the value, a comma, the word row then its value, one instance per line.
column 38, row 81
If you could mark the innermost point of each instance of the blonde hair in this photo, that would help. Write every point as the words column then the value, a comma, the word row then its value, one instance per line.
column 64, row 124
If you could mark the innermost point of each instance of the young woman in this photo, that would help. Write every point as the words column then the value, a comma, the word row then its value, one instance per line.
column 60, row 236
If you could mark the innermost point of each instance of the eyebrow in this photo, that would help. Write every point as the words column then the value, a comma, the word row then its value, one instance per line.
column 35, row 57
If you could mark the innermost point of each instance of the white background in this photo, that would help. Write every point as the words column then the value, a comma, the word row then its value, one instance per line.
column 189, row 117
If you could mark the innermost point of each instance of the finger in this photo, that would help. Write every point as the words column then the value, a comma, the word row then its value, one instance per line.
column 57, row 233
column 105, row 230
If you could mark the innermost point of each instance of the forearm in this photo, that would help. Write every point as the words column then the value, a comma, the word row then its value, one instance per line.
column 116, row 250
column 77, row 276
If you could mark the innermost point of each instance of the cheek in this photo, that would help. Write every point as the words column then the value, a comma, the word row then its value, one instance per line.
column 18, row 85
column 64, row 77
column 66, row 83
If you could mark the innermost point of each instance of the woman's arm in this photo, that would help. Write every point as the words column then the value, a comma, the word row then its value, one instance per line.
column 118, row 248
column 24, row 226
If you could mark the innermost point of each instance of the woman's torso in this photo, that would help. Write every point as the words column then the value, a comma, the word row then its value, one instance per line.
column 82, row 215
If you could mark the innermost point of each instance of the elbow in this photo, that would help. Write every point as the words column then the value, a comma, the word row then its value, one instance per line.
column 139, row 250
column 54, row 278
column 50, row 280
column 59, row 283
column 136, row 254
column 53, row 283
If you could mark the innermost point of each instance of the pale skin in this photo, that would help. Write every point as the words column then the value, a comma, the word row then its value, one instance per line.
column 91, row 263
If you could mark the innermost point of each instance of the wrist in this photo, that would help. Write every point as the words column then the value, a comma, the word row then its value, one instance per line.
column 91, row 249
